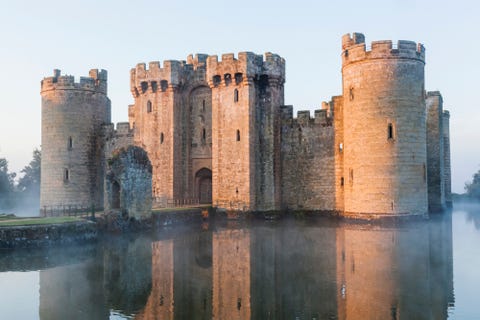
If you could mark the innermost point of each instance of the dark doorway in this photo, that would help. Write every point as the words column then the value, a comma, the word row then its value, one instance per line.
column 204, row 185
column 115, row 195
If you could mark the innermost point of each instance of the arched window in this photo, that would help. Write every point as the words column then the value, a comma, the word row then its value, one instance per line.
column 161, row 138
column 238, row 135
column 149, row 106
column 70, row 143
column 235, row 95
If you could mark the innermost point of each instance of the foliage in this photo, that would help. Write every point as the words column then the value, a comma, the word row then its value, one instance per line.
column 30, row 181
column 6, row 184
column 473, row 188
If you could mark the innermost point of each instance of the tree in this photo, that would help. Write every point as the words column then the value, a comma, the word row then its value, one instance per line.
column 6, row 184
column 473, row 188
column 30, row 181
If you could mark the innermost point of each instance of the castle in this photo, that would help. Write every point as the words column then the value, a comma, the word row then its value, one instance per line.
column 217, row 131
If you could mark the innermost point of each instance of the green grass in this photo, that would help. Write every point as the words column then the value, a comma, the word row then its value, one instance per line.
column 37, row 221
column 163, row 210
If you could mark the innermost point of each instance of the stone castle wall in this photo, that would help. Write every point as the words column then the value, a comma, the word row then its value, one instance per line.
column 217, row 131
column 308, row 161
column 246, row 94
column 72, row 145
column 447, row 174
column 435, row 151
column 384, row 127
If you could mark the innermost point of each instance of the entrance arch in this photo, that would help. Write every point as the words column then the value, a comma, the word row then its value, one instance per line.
column 203, row 179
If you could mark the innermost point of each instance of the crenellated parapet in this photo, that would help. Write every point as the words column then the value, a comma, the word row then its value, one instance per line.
column 354, row 49
column 321, row 117
column 170, row 75
column 155, row 77
column 95, row 82
column 244, row 69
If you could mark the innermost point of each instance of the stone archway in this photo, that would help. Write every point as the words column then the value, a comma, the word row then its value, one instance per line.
column 115, row 195
column 203, row 179
column 129, row 182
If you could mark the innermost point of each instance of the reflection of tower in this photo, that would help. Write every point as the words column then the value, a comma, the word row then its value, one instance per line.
column 73, row 292
column 384, row 127
column 160, row 302
column 231, row 274
column 394, row 273
column 72, row 148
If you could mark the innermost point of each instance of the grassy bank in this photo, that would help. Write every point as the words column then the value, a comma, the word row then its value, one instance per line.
column 9, row 221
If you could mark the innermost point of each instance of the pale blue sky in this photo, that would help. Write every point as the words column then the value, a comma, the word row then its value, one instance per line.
column 75, row 36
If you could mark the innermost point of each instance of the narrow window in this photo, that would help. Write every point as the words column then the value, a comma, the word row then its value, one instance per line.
column 70, row 143
column 161, row 138
column 235, row 95
column 390, row 131
column 351, row 175
column 238, row 135
column 342, row 181
column 340, row 147
column 204, row 135
column 203, row 106
column 351, row 93
column 66, row 175
column 149, row 106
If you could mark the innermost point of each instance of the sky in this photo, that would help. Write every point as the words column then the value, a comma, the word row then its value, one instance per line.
column 76, row 36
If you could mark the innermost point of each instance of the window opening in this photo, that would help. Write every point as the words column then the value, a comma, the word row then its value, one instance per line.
column 161, row 138
column 235, row 95
column 149, row 106
column 238, row 135
column 390, row 131
column 238, row 78
column 66, row 175
column 70, row 143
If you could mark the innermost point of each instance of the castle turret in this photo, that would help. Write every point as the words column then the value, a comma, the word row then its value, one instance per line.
column 384, row 147
column 72, row 148
column 247, row 93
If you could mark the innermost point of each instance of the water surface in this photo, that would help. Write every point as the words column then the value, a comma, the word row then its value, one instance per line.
column 289, row 269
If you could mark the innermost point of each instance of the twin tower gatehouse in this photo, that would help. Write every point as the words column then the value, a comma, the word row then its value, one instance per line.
column 217, row 131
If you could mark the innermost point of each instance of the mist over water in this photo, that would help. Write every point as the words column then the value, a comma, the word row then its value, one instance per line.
column 288, row 269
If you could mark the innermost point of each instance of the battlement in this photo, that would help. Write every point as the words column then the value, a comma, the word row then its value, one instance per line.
column 321, row 116
column 246, row 67
column 95, row 82
column 354, row 49
column 122, row 129
column 434, row 97
column 155, row 77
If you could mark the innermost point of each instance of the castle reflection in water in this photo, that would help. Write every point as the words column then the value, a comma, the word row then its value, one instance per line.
column 288, row 269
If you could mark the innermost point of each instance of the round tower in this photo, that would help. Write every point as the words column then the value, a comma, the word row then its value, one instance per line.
column 384, row 147
column 72, row 147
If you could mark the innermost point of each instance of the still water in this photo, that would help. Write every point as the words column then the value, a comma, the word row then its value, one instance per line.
column 289, row 269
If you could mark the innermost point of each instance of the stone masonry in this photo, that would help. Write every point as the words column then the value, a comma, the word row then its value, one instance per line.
column 217, row 131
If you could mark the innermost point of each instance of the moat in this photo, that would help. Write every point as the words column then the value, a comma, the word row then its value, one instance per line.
column 309, row 268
